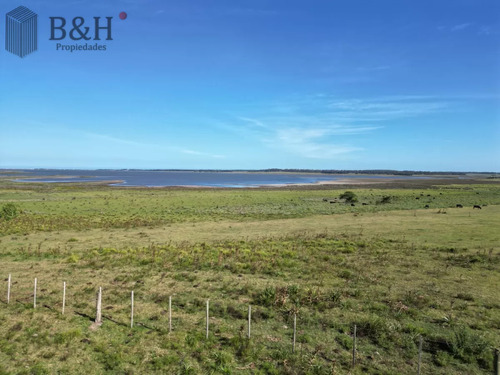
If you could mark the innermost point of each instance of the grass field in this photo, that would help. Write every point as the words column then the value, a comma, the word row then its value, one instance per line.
column 392, row 267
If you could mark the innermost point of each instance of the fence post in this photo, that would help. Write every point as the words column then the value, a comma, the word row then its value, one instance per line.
column 207, row 316
column 8, row 288
column 354, row 347
column 294, row 331
column 420, row 340
column 169, row 314
column 64, row 297
column 249, row 320
column 34, row 295
column 497, row 361
column 98, row 317
column 132, row 309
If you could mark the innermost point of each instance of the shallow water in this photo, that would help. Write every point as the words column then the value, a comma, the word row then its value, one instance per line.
column 150, row 178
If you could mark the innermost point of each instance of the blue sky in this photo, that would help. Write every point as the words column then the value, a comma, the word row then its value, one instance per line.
column 232, row 84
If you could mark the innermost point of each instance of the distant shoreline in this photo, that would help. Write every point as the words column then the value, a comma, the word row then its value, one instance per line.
column 385, row 172
column 222, row 180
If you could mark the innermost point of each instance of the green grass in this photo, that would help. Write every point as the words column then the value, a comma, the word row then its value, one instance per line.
column 62, row 208
column 396, row 270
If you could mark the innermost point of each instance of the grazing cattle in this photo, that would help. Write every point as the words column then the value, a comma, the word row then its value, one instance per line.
column 460, row 206
column 426, row 206
column 352, row 204
column 325, row 200
column 364, row 204
column 417, row 198
column 477, row 206
column 332, row 202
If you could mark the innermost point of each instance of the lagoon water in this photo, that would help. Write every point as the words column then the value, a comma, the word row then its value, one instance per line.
column 151, row 178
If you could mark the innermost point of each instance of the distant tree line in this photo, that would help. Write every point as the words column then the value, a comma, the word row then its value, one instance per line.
column 333, row 171
column 325, row 171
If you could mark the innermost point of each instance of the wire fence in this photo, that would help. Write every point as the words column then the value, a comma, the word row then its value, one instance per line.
column 98, row 317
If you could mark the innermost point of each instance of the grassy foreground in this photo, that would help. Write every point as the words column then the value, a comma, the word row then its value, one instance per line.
column 395, row 269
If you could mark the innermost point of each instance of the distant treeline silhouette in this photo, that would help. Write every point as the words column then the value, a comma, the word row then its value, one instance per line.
column 327, row 171
column 295, row 170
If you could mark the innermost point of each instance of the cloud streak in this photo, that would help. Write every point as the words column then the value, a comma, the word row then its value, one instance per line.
column 310, row 143
column 149, row 146
column 461, row 26
column 324, row 127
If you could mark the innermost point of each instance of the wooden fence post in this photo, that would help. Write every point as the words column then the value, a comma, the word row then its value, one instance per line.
column 497, row 361
column 294, row 331
column 207, row 316
column 169, row 314
column 98, row 316
column 249, row 320
column 8, row 288
column 132, row 310
column 420, row 340
column 64, row 297
column 354, row 347
column 34, row 295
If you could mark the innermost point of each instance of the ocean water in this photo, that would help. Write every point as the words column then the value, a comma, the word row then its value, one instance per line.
column 150, row 178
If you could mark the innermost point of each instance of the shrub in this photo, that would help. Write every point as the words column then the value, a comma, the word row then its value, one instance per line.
column 9, row 211
column 376, row 329
column 385, row 199
column 470, row 347
column 266, row 297
column 349, row 197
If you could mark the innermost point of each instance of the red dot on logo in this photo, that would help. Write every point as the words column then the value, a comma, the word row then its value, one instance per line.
column 123, row 15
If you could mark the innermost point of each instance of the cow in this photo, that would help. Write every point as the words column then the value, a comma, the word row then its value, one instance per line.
column 477, row 206
column 426, row 206
column 460, row 206
column 352, row 204
column 332, row 202
column 325, row 200
column 364, row 204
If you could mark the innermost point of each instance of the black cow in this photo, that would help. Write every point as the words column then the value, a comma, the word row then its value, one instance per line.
column 364, row 204
column 477, row 206
column 426, row 206
column 352, row 204
column 460, row 206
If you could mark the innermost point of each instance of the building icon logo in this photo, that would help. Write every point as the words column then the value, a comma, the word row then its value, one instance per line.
column 21, row 31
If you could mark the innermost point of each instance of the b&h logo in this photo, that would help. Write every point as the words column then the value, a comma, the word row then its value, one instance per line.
column 21, row 31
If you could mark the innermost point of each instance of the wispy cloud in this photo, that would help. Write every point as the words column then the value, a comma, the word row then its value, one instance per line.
column 323, row 126
column 253, row 121
column 310, row 143
column 249, row 12
column 199, row 153
column 148, row 146
column 482, row 30
column 111, row 139
column 487, row 30
column 375, row 68
column 387, row 108
column 461, row 26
